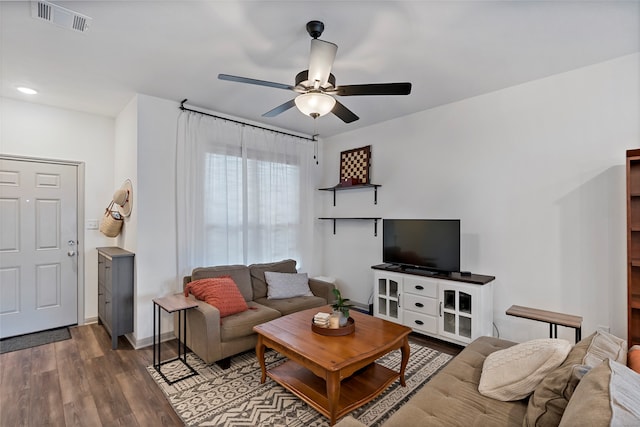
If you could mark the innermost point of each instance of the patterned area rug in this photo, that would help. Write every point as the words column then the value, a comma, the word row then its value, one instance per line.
column 33, row 340
column 235, row 397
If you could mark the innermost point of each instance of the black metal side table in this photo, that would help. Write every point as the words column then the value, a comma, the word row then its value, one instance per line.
column 171, row 304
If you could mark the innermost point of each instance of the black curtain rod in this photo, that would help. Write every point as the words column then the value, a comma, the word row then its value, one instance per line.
column 183, row 108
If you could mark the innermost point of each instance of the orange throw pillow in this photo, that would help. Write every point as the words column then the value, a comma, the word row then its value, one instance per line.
column 220, row 292
column 633, row 358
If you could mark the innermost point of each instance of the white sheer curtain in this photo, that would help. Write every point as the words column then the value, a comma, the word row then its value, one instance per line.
column 244, row 195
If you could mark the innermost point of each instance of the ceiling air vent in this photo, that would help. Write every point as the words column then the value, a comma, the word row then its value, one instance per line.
column 60, row 16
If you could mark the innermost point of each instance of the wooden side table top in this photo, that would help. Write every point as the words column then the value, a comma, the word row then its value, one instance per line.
column 552, row 317
column 175, row 302
column 372, row 336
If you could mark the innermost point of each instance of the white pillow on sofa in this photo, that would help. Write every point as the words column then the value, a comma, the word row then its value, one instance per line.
column 287, row 285
column 513, row 373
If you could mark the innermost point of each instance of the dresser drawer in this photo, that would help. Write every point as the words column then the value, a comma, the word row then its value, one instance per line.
column 104, row 272
column 420, row 304
column 421, row 322
column 421, row 286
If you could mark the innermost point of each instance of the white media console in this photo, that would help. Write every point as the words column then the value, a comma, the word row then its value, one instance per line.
column 451, row 307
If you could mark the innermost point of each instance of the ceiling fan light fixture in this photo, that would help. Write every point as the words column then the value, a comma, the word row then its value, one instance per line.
column 315, row 104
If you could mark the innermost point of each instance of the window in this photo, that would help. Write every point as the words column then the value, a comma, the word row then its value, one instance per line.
column 244, row 194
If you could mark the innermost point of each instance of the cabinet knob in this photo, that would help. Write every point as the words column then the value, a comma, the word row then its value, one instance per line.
column 419, row 304
column 419, row 287
column 419, row 322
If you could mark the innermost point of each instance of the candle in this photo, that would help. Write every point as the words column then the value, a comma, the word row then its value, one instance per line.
column 334, row 321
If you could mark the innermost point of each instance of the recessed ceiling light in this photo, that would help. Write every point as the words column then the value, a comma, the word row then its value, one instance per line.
column 27, row 90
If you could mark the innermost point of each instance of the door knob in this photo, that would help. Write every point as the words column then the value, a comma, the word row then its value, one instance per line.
column 71, row 253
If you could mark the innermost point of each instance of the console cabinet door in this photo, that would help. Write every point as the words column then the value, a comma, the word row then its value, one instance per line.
column 457, row 304
column 387, row 298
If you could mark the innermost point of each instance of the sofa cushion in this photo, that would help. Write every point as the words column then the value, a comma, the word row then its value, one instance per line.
column 633, row 358
column 292, row 305
column 550, row 398
column 259, row 283
column 287, row 285
column 239, row 274
column 241, row 324
column 513, row 373
column 451, row 397
column 605, row 346
column 609, row 395
column 220, row 292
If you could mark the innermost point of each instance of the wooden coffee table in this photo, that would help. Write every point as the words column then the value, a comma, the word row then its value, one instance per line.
column 333, row 374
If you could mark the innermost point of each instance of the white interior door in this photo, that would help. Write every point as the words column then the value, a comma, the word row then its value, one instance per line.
column 38, row 246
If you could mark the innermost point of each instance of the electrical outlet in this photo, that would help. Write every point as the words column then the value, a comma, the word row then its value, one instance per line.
column 91, row 224
column 603, row 328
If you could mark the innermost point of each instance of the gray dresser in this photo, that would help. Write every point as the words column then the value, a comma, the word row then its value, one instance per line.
column 115, row 291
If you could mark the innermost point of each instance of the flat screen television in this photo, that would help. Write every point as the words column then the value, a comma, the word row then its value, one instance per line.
column 429, row 244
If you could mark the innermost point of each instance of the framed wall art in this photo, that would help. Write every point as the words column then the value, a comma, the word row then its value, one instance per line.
column 354, row 166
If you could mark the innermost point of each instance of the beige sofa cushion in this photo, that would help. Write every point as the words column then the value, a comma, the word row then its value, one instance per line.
column 239, row 274
column 451, row 397
column 241, row 324
column 513, row 373
column 609, row 395
column 292, row 305
column 550, row 398
column 257, row 275
column 605, row 346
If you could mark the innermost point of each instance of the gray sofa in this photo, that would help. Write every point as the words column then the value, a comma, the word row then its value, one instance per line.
column 451, row 397
column 214, row 339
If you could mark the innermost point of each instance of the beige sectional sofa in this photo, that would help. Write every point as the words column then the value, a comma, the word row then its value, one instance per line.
column 591, row 387
column 216, row 339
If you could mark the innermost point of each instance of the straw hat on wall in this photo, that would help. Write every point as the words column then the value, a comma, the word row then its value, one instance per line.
column 123, row 198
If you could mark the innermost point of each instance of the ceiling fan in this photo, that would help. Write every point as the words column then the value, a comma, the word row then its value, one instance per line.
column 317, row 85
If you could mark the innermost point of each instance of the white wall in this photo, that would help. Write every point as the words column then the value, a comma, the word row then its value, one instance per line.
column 156, row 268
column 39, row 131
column 536, row 174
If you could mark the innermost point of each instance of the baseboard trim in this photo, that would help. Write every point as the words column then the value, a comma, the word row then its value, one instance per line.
column 148, row 341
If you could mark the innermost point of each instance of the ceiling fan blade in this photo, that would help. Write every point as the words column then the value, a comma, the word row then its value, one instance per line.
column 280, row 109
column 344, row 113
column 374, row 89
column 254, row 81
column 320, row 61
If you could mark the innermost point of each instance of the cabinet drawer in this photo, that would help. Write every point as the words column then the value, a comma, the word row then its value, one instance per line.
column 107, row 309
column 101, row 305
column 107, row 275
column 421, row 286
column 101, row 269
column 421, row 322
column 420, row 304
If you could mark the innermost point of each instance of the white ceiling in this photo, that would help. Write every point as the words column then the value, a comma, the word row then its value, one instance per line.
column 449, row 50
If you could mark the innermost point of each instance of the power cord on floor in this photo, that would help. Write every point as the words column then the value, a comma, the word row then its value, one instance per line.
column 497, row 330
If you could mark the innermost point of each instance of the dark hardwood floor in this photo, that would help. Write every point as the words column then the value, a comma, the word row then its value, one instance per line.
column 82, row 382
